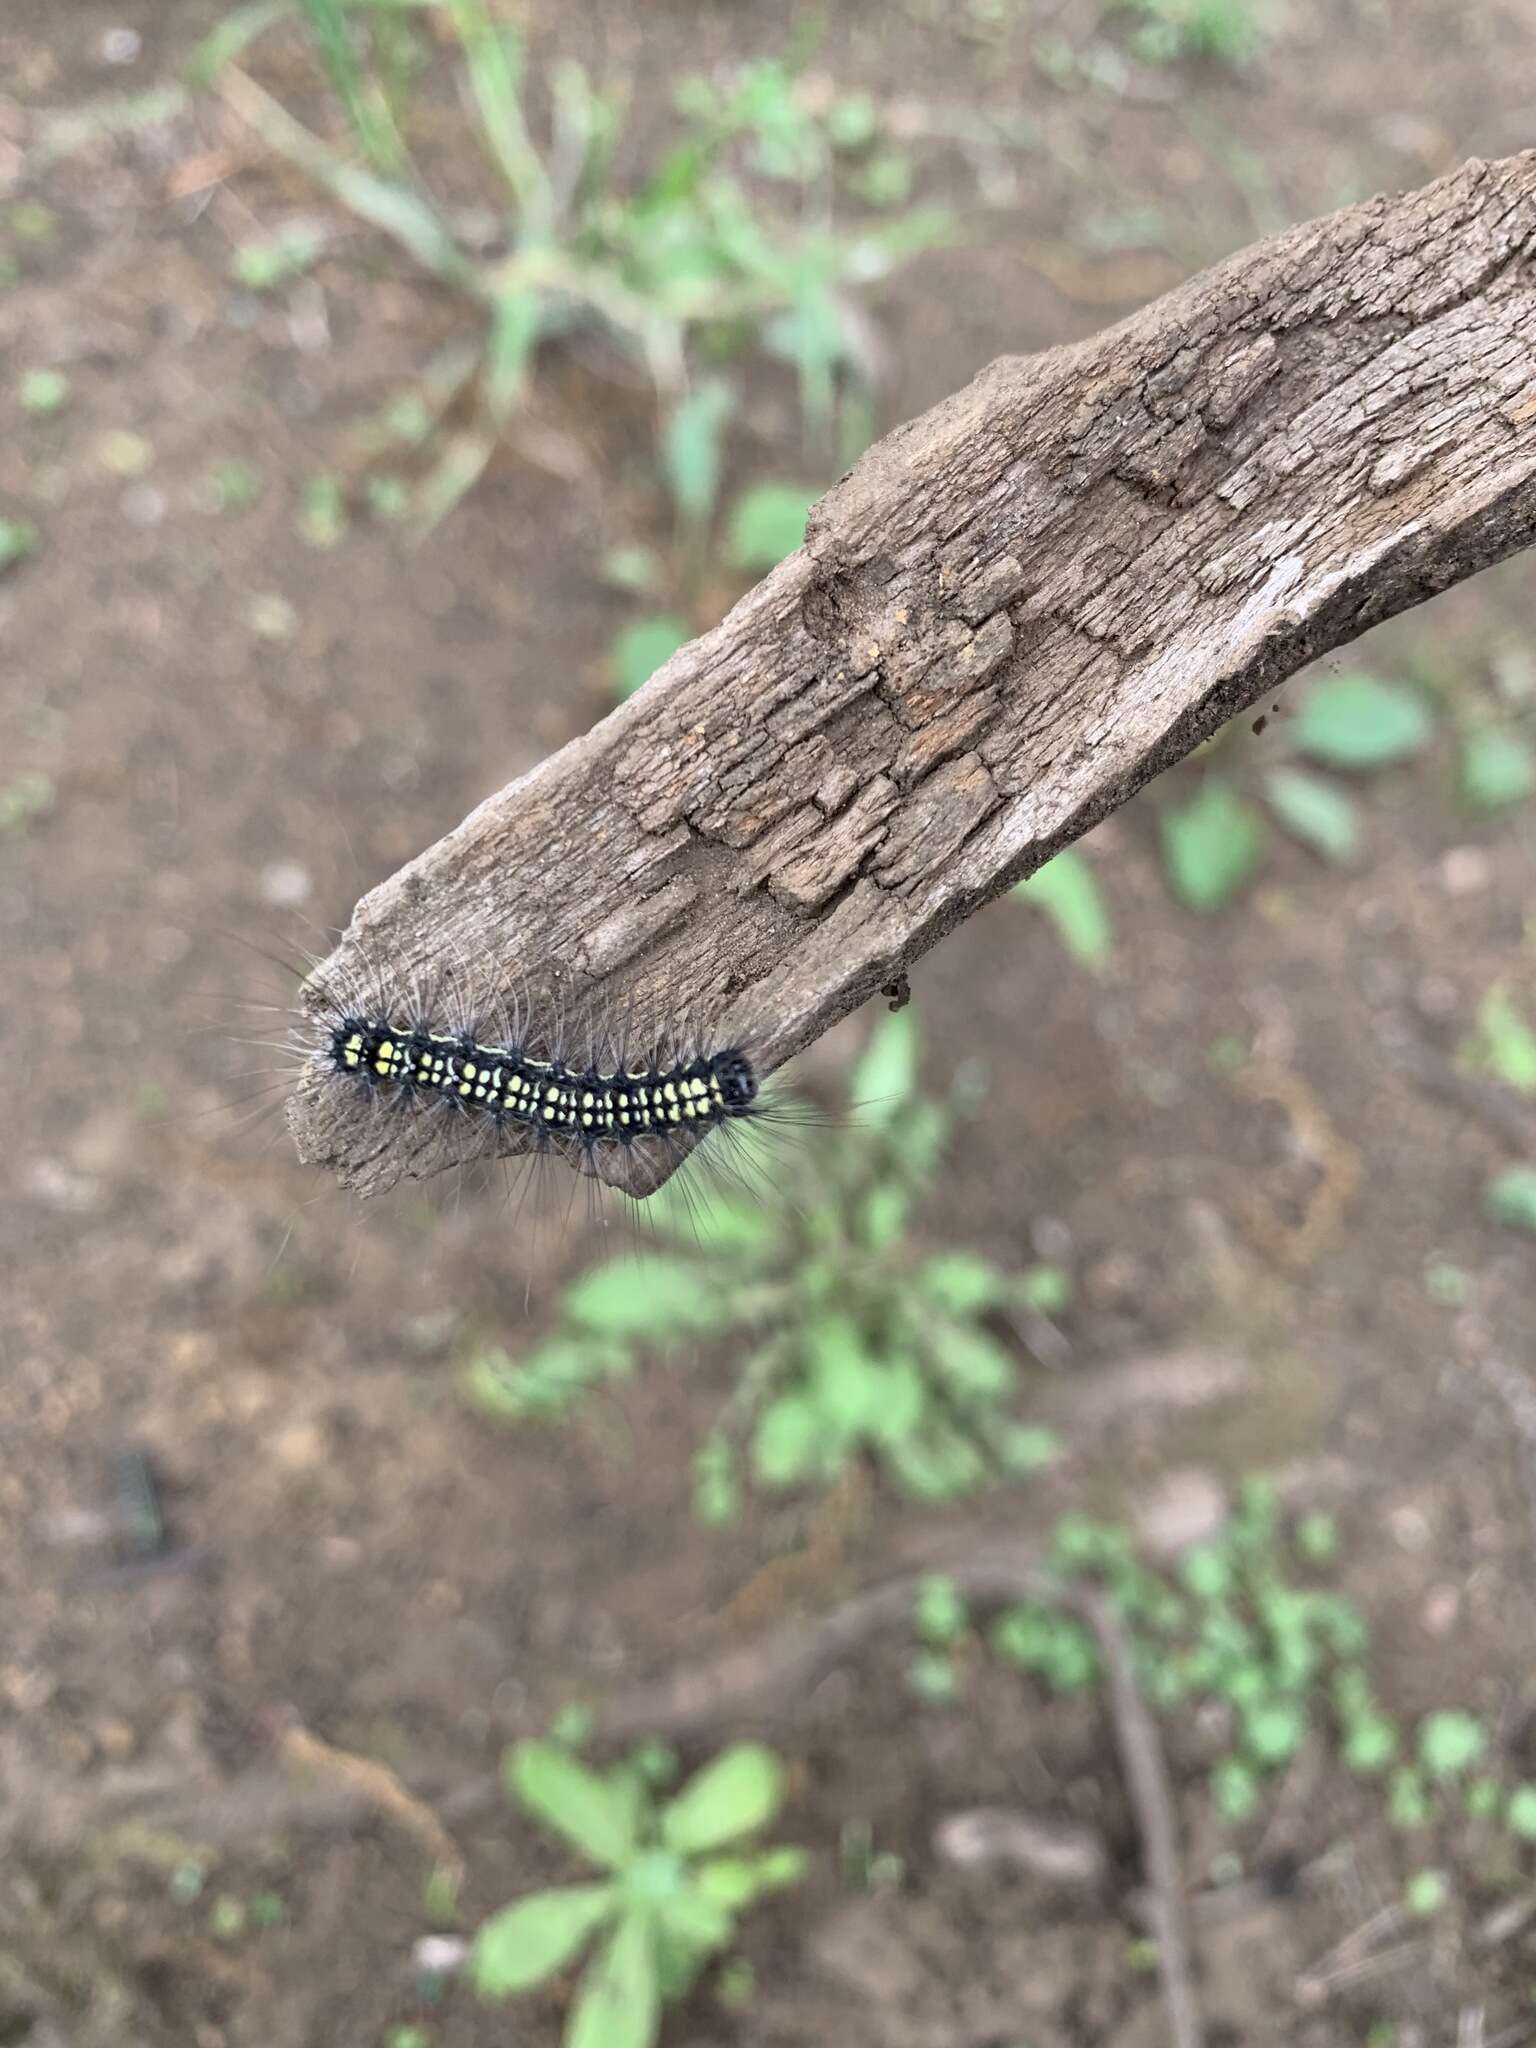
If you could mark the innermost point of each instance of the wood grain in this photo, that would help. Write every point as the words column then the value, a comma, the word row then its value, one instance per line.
column 1012, row 613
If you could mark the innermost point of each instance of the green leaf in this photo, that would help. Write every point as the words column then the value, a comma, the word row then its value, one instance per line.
column 619, row 2003
column 595, row 1814
column 940, row 1465
column 740, row 1791
column 962, row 1283
column 1275, row 1730
column 939, row 1612
column 635, row 569
column 1360, row 723
column 1450, row 1742
column 711, row 1224
column 1510, row 1198
column 885, row 1079
column 1068, row 892
column 697, row 1920
column 973, row 1365
column 494, row 57
column 644, row 1297
column 43, row 392
column 767, row 524
column 847, row 1385
column 737, row 1880
column 1045, row 1290
column 517, row 320
column 1497, row 768
column 548, row 1382
column 1025, row 1447
column 268, row 262
column 18, row 538
column 1520, row 1814
column 223, row 44
column 1426, row 1892
column 1312, row 810
column 1234, row 1789
column 1211, row 846
column 883, row 1214
column 1407, row 1803
column 367, row 110
column 1370, row 1745
column 790, row 1442
column 1506, row 1044
column 523, row 1944
column 641, row 647
column 690, row 449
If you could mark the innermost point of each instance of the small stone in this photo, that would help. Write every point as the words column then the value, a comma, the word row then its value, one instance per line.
column 1464, row 871
column 121, row 46
column 301, row 1446
column 143, row 505
column 1185, row 1508
column 286, row 884
column 1441, row 1610
column 1410, row 1528
column 1048, row 1846
column 272, row 617
column 124, row 454
column 115, row 1738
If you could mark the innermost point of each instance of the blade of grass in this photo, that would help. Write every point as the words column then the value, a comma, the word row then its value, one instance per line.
column 393, row 208
column 495, row 60
column 229, row 40
column 368, row 116
column 457, row 470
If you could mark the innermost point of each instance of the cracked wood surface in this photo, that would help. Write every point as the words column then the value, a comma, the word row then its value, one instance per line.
column 1012, row 613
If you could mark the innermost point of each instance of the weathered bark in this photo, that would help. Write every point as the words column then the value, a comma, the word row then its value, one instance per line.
column 1010, row 614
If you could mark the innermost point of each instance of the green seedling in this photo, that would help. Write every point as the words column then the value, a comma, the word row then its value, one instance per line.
column 850, row 1344
column 1067, row 891
column 675, row 1877
column 692, row 262
column 43, row 392
column 18, row 539
column 1231, row 32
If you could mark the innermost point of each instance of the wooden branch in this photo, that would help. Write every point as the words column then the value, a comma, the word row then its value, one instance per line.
column 1011, row 614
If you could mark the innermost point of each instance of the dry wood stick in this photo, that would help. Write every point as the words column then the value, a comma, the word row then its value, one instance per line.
column 1011, row 614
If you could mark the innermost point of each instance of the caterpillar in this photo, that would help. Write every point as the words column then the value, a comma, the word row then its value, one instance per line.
column 393, row 1083
column 578, row 1105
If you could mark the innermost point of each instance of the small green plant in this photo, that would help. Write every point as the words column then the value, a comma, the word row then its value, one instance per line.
column 677, row 1874
column 18, row 539
column 691, row 264
column 1067, row 891
column 1232, row 32
column 1510, row 1199
column 1240, row 1628
column 43, row 392
column 1349, row 726
column 23, row 800
column 1504, row 1044
column 852, row 1344
column 270, row 262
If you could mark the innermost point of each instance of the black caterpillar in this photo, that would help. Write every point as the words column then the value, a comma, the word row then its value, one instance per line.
column 577, row 1106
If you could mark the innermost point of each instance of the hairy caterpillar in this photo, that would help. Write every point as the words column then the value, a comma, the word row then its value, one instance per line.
column 399, row 1083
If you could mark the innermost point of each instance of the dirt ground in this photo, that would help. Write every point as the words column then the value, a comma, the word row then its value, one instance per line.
column 243, row 732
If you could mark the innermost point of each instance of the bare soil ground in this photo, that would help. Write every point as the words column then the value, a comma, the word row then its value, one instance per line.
column 240, row 727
